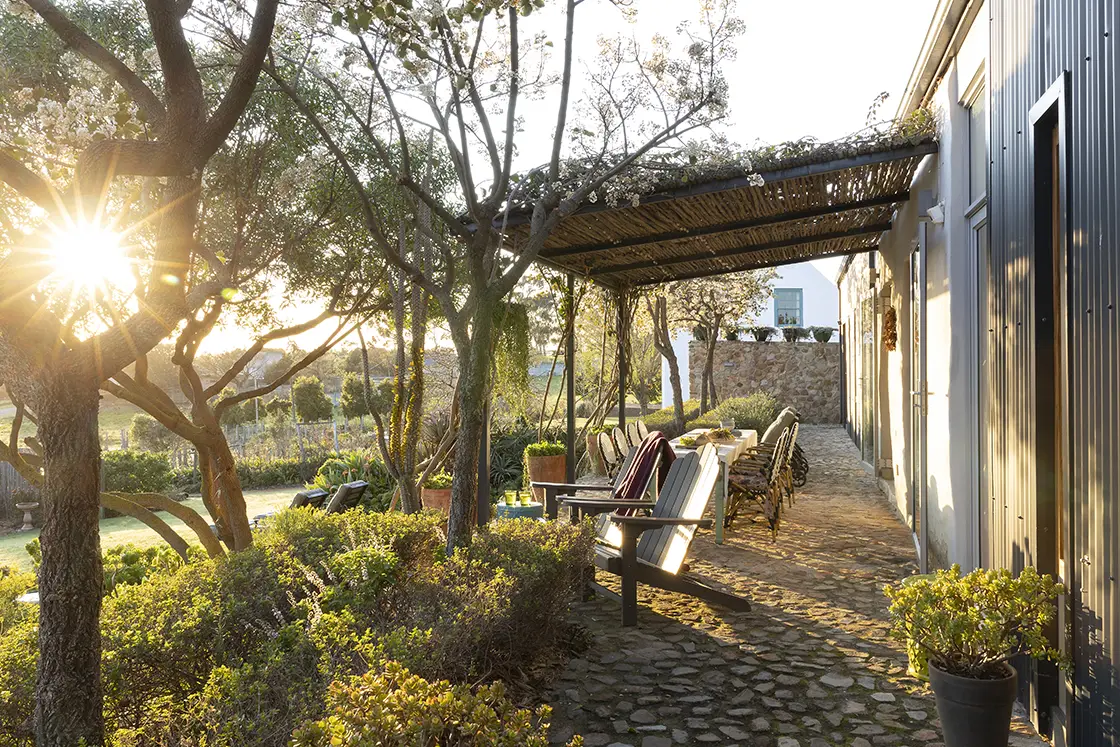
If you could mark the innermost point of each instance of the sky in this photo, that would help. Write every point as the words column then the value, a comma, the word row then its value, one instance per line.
column 804, row 68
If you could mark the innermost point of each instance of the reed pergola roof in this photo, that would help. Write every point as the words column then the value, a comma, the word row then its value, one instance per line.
column 822, row 202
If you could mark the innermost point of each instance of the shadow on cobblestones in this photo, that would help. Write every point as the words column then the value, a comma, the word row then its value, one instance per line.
column 810, row 665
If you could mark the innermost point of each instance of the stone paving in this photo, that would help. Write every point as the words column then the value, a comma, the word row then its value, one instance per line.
column 811, row 665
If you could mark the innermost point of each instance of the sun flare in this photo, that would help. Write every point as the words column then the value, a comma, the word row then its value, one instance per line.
column 90, row 258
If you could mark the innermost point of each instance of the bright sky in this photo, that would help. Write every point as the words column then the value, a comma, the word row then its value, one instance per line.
column 805, row 68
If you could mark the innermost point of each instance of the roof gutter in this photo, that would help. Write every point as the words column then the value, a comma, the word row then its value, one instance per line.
column 950, row 23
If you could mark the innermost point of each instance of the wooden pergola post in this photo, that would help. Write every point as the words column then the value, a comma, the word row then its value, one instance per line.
column 622, row 335
column 570, row 377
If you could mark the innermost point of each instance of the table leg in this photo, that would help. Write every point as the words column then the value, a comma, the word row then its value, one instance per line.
column 721, row 501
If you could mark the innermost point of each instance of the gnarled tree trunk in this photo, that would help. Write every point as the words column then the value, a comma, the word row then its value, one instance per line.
column 68, row 702
column 474, row 390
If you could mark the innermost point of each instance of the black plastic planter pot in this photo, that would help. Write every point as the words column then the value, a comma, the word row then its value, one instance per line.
column 974, row 713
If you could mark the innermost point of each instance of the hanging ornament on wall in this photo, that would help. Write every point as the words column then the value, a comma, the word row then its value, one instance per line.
column 890, row 329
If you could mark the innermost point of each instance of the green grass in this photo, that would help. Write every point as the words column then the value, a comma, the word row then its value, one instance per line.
column 112, row 418
column 125, row 530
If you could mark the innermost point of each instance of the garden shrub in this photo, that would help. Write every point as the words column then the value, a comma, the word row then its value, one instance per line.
column 355, row 465
column 663, row 420
column 126, row 565
column 754, row 412
column 148, row 434
column 13, row 584
column 238, row 651
column 311, row 402
column 492, row 606
column 395, row 708
column 130, row 471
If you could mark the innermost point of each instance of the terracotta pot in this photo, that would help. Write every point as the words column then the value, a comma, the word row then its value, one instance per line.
column 439, row 500
column 594, row 454
column 547, row 469
column 974, row 713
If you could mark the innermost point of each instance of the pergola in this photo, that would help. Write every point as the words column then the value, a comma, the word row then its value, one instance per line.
column 825, row 200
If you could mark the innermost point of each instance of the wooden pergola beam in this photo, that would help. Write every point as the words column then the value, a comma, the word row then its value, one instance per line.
column 757, row 266
column 739, row 225
column 519, row 218
column 741, row 250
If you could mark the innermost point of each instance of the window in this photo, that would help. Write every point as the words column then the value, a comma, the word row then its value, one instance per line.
column 788, row 307
column 977, row 147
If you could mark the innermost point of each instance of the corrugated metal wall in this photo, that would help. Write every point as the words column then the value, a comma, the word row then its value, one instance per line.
column 1033, row 42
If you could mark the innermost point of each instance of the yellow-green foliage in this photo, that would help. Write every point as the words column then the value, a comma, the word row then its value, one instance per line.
column 969, row 625
column 13, row 584
column 237, row 651
column 395, row 708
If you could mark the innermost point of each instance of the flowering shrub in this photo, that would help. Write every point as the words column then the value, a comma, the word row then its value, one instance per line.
column 396, row 708
column 970, row 625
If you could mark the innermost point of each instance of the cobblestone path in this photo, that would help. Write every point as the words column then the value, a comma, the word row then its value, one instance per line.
column 810, row 665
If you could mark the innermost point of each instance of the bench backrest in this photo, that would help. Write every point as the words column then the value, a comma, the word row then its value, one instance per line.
column 347, row 496
column 685, row 494
column 313, row 498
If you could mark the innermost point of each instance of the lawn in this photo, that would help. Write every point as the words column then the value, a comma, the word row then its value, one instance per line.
column 125, row 530
column 113, row 417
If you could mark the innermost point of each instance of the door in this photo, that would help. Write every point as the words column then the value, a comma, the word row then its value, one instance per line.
column 918, row 397
column 1053, row 694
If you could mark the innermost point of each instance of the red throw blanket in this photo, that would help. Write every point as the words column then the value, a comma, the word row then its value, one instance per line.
column 633, row 485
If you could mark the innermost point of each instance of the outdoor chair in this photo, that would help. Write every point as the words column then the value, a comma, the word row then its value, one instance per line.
column 347, row 496
column 643, row 430
column 799, row 464
column 552, row 490
column 632, row 434
column 653, row 547
column 610, row 454
column 313, row 498
column 763, row 482
column 621, row 440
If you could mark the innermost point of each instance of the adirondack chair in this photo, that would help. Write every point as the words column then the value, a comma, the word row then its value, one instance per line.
column 653, row 548
column 612, row 458
column 621, row 440
column 554, row 489
column 313, row 498
column 347, row 496
column 632, row 434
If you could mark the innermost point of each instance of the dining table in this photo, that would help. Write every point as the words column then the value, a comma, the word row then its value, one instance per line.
column 728, row 452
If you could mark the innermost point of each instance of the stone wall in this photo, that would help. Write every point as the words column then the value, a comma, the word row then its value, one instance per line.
column 802, row 375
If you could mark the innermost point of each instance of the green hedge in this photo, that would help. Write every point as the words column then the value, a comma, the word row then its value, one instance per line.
column 129, row 471
column 754, row 412
column 256, row 473
column 662, row 420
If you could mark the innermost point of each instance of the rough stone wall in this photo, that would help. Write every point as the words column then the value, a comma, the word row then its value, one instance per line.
column 802, row 375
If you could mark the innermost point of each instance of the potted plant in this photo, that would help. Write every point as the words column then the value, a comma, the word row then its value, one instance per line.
column 762, row 334
column 731, row 334
column 822, row 334
column 793, row 334
column 968, row 628
column 436, row 492
column 546, row 461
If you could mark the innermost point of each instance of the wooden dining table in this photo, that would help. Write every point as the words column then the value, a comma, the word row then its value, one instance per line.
column 728, row 452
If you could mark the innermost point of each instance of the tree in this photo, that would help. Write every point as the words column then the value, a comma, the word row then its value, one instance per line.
column 353, row 401
column 311, row 402
column 148, row 434
column 467, row 66
column 133, row 161
column 704, row 304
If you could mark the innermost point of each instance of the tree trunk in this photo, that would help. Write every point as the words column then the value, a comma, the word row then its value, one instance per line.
column 68, row 702
column 474, row 389
column 232, row 498
column 709, row 368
